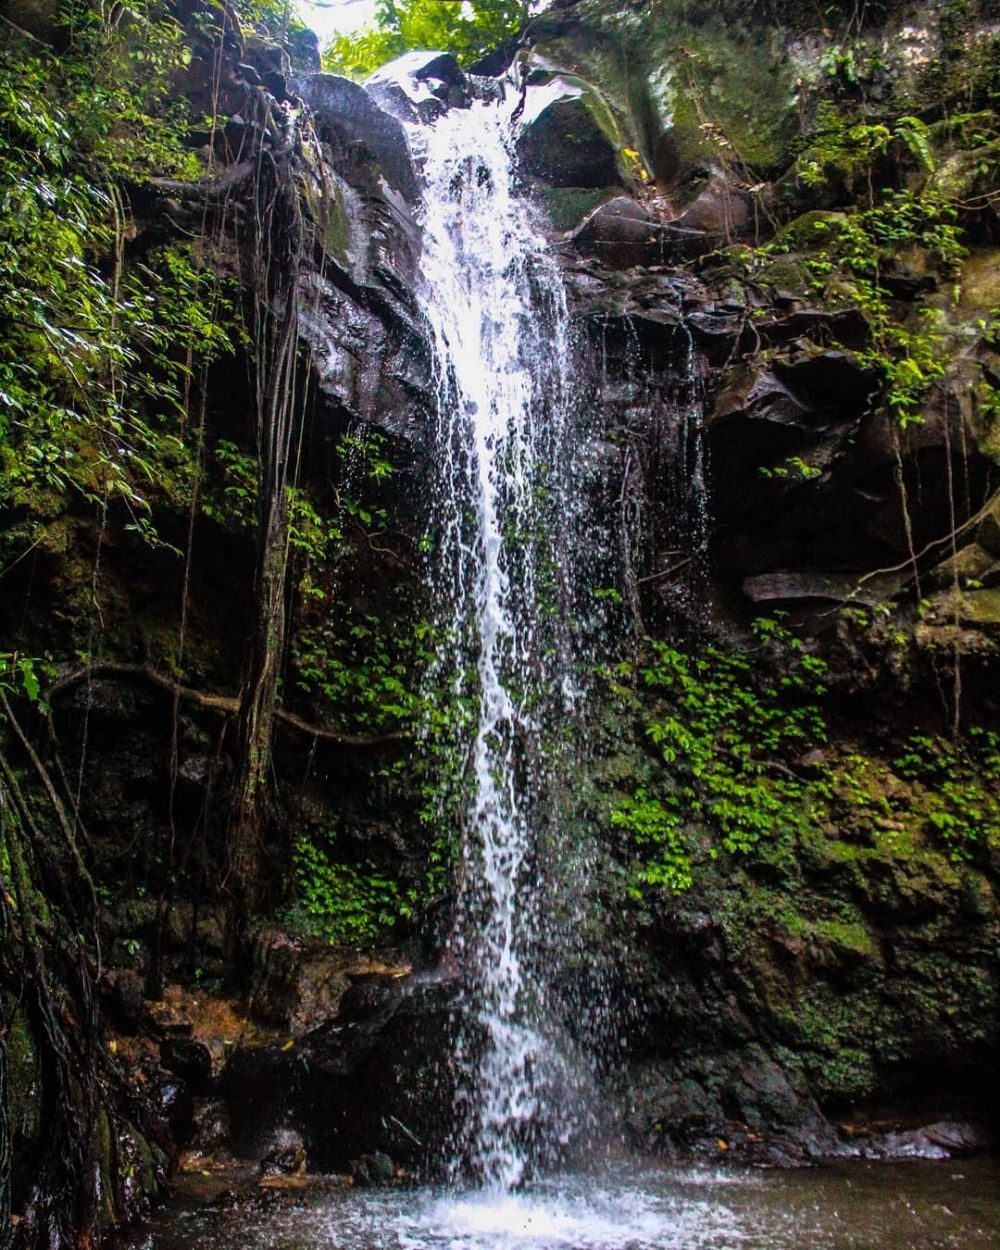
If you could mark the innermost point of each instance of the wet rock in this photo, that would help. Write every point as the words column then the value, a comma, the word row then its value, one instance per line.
column 829, row 382
column 127, row 1003
column 944, row 1139
column 374, row 1079
column 373, row 1169
column 301, row 985
column 569, row 136
column 211, row 1128
column 346, row 114
column 419, row 86
column 287, row 1156
column 739, row 1103
column 369, row 365
column 191, row 1060
column 176, row 1104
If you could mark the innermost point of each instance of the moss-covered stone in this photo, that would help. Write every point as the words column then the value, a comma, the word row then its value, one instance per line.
column 683, row 79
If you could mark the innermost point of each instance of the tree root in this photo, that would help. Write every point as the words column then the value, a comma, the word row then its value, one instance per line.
column 223, row 704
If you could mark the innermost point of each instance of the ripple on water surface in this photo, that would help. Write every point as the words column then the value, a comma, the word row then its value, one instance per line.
column 915, row 1206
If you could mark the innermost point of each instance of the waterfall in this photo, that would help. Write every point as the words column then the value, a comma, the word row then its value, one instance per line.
column 505, row 504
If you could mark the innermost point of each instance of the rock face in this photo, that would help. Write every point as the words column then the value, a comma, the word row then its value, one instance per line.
column 741, row 452
column 762, row 1023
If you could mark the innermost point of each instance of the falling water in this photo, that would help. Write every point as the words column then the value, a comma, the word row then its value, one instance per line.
column 494, row 299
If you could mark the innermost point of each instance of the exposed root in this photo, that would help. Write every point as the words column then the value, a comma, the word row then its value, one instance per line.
column 225, row 705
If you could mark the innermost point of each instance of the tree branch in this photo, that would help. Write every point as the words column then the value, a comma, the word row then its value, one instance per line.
column 226, row 705
column 205, row 188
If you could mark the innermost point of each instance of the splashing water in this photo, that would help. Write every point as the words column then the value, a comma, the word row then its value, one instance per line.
column 494, row 299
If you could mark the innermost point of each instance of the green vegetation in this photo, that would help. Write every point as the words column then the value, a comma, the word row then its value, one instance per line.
column 721, row 736
column 467, row 30
column 749, row 765
column 343, row 902
column 955, row 786
column 93, row 364
column 847, row 254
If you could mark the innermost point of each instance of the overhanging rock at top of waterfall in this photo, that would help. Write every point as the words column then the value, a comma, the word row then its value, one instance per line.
column 420, row 86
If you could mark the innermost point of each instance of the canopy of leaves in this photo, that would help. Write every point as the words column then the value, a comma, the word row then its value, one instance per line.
column 465, row 28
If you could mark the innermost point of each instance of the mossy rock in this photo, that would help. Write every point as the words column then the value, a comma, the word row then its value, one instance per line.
column 788, row 274
column 980, row 281
column 567, row 207
column 969, row 174
column 980, row 607
column 809, row 230
column 690, row 84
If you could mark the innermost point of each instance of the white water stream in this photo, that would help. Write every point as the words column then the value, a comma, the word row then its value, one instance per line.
column 493, row 296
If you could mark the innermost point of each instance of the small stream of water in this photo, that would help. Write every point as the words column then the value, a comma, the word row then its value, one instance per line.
column 493, row 297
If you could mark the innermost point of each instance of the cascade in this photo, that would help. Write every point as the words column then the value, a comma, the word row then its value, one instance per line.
column 493, row 296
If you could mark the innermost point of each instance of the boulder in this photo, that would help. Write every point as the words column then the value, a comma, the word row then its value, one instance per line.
column 980, row 608
column 621, row 232
column 719, row 209
column 419, row 86
column 569, row 136
column 190, row 1060
column 375, row 1078
column 740, row 1104
column 346, row 115
column 970, row 564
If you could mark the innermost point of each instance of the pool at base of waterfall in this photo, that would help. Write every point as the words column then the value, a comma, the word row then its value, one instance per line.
column 857, row 1205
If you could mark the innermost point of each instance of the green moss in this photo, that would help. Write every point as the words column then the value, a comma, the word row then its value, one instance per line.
column 852, row 938
column 688, row 83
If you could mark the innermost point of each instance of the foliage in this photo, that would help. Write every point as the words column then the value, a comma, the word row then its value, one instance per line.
column 95, row 354
column 343, row 902
column 733, row 730
column 719, row 735
column 957, row 781
column 466, row 29
column 847, row 254
column 369, row 673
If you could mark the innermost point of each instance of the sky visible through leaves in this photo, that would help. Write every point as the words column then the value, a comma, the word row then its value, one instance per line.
column 336, row 17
